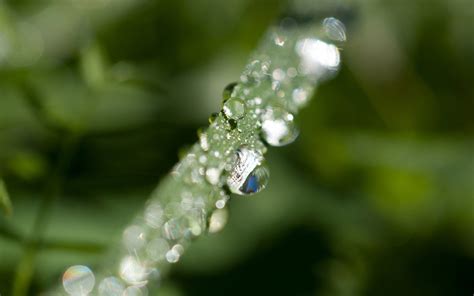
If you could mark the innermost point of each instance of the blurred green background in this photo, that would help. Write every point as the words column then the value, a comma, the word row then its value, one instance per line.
column 376, row 197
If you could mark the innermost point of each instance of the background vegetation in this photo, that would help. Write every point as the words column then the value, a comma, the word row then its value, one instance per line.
column 376, row 197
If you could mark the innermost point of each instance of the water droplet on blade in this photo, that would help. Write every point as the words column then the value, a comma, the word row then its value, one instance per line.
column 78, row 280
column 278, row 127
column 234, row 108
column 334, row 29
column 227, row 93
column 248, row 174
column 218, row 220
column 111, row 286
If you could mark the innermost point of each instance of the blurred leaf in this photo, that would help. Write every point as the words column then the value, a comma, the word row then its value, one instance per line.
column 5, row 202
column 93, row 65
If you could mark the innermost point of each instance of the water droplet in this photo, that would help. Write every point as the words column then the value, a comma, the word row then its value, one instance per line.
column 111, row 286
column 135, row 291
column 227, row 93
column 234, row 108
column 334, row 29
column 279, row 39
column 317, row 57
column 176, row 228
column 157, row 249
column 78, row 280
column 218, row 220
column 292, row 72
column 213, row 117
column 203, row 141
column 278, row 74
column 133, row 271
column 172, row 256
column 154, row 215
column 300, row 97
column 134, row 237
column 278, row 127
column 213, row 175
column 248, row 174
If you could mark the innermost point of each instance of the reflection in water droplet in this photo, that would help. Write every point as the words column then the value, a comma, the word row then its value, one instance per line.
column 227, row 93
column 234, row 108
column 317, row 57
column 248, row 175
column 278, row 127
column 218, row 220
column 334, row 29
column 78, row 280
column 111, row 286
column 132, row 271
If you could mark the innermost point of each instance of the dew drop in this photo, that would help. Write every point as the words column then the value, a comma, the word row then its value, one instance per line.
column 132, row 270
column 213, row 117
column 317, row 57
column 234, row 108
column 157, row 249
column 204, row 141
column 248, row 174
column 154, row 215
column 228, row 90
column 278, row 127
column 172, row 256
column 218, row 220
column 135, row 291
column 134, row 237
column 334, row 29
column 176, row 228
column 300, row 96
column 78, row 280
column 111, row 286
column 213, row 175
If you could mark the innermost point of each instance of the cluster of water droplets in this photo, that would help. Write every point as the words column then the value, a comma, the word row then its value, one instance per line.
column 257, row 111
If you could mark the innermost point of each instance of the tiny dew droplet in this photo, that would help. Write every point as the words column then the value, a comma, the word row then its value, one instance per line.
column 334, row 29
column 111, row 286
column 78, row 280
column 234, row 108
column 227, row 93
column 248, row 174
column 213, row 117
column 278, row 127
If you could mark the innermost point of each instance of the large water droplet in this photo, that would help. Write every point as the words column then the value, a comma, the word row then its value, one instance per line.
column 334, row 29
column 227, row 93
column 317, row 57
column 78, row 280
column 248, row 174
column 278, row 127
column 234, row 108
column 111, row 286
column 134, row 237
column 133, row 271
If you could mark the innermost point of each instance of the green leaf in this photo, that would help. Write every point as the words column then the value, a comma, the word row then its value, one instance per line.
column 5, row 202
